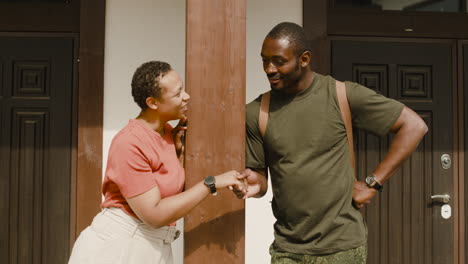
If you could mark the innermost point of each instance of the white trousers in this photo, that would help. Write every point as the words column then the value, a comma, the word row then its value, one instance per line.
column 117, row 238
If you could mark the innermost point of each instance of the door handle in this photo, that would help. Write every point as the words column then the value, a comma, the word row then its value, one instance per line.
column 445, row 198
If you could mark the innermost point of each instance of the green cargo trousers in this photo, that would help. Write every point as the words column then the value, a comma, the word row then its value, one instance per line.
column 352, row 256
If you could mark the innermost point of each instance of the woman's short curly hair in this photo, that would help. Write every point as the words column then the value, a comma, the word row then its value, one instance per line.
column 145, row 81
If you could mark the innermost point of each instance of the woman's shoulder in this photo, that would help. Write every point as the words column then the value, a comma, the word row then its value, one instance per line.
column 131, row 134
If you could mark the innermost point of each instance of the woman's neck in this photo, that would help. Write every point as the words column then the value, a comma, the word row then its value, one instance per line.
column 152, row 121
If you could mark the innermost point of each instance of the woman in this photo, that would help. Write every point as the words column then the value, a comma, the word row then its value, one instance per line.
column 144, row 178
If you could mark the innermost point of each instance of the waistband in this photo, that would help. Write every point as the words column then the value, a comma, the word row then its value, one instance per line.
column 114, row 217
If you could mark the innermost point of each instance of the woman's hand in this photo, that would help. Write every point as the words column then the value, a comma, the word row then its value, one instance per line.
column 178, row 136
column 230, row 179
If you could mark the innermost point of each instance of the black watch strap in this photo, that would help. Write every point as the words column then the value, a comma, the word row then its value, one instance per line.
column 378, row 186
column 373, row 183
column 210, row 183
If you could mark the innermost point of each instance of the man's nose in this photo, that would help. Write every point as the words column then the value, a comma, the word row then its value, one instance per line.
column 270, row 68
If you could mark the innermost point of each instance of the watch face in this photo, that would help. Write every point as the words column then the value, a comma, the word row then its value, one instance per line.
column 209, row 180
column 370, row 180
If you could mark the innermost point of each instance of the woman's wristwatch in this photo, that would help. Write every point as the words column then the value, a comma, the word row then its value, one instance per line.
column 210, row 183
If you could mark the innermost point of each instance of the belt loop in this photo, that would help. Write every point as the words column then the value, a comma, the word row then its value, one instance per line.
column 103, row 211
column 167, row 236
column 135, row 229
column 171, row 234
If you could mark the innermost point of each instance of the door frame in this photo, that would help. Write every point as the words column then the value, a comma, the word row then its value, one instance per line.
column 355, row 21
column 463, row 145
column 322, row 24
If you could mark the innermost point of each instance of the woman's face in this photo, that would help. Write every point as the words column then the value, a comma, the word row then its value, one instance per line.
column 173, row 102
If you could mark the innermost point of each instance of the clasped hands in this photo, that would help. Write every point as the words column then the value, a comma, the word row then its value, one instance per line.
column 244, row 185
column 250, row 184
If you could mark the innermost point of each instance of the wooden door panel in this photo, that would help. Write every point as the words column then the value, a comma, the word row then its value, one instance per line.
column 35, row 141
column 404, row 225
column 27, row 178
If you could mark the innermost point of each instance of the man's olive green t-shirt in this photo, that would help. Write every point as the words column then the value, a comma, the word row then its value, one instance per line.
column 305, row 148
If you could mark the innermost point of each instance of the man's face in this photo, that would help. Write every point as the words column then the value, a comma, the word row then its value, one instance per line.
column 281, row 64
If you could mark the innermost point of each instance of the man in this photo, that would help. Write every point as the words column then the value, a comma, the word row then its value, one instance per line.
column 306, row 150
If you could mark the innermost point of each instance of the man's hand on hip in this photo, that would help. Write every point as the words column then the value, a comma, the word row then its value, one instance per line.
column 362, row 194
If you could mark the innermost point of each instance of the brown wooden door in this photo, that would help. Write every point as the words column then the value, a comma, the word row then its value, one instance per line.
column 35, row 139
column 404, row 224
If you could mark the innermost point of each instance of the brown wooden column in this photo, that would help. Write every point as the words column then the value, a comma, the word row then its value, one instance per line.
column 215, row 80
column 90, row 112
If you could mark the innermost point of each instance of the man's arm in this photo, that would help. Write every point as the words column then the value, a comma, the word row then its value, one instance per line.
column 409, row 129
column 256, row 182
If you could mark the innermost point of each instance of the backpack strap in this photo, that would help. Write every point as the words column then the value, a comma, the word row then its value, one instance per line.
column 346, row 115
column 264, row 113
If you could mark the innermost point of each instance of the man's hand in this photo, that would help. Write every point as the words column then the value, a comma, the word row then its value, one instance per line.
column 178, row 135
column 362, row 194
column 254, row 181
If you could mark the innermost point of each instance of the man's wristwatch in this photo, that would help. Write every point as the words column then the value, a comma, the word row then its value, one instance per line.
column 372, row 183
column 210, row 183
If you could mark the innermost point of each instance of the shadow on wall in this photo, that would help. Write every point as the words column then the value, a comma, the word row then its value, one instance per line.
column 214, row 232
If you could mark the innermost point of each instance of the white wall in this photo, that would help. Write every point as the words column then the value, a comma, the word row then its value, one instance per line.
column 262, row 16
column 142, row 30
column 138, row 31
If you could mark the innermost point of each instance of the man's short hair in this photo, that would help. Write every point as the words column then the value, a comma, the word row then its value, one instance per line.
column 145, row 81
column 294, row 33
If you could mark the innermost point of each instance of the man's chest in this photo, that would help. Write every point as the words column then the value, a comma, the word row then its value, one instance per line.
column 314, row 125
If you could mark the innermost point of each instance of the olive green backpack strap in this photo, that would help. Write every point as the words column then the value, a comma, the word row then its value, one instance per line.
column 264, row 113
column 346, row 115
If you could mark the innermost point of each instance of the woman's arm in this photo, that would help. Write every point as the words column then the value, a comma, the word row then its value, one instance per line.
column 157, row 212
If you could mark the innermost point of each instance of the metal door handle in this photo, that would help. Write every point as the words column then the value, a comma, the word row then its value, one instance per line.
column 441, row 197
column 446, row 161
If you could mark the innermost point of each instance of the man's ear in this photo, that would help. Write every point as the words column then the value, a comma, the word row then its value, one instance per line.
column 305, row 59
column 152, row 103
